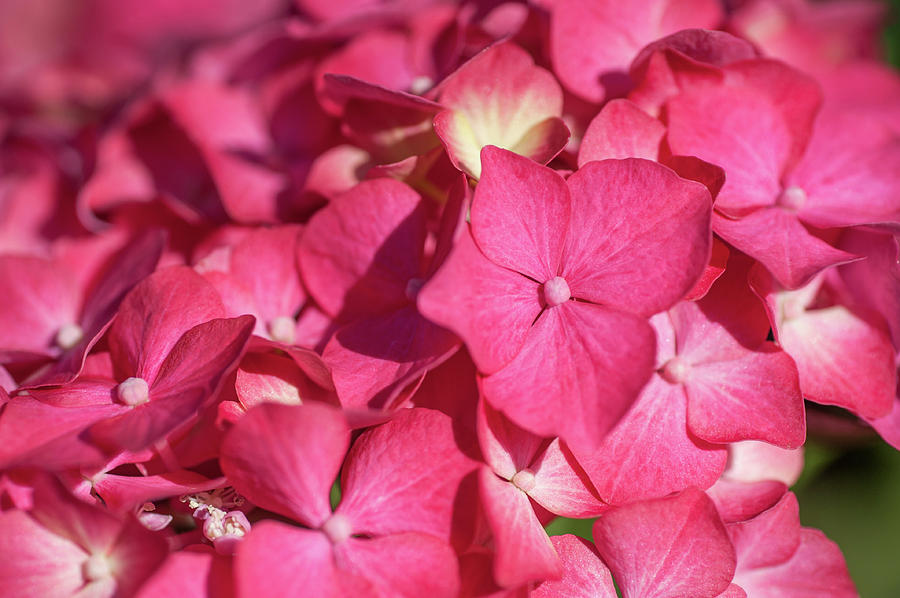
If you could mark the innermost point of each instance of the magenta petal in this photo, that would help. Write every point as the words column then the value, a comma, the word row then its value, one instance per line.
column 768, row 539
column 739, row 129
column 131, row 552
column 592, row 44
column 285, row 458
column 139, row 428
column 35, row 561
column 583, row 573
column 780, row 242
column 506, row 447
column 39, row 298
column 202, row 356
column 121, row 493
column 524, row 551
column 639, row 237
column 489, row 307
column 33, row 433
column 154, row 315
column 621, row 130
column 753, row 397
column 816, row 569
column 404, row 476
column 373, row 359
column 192, row 573
column 406, row 565
column 358, row 254
column 674, row 546
column 740, row 501
column 519, row 214
column 264, row 261
column 304, row 566
column 561, row 485
column 863, row 380
column 126, row 269
column 190, row 375
column 850, row 173
column 651, row 453
column 580, row 370
column 874, row 281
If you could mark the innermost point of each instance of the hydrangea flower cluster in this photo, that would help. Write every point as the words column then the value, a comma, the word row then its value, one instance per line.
column 354, row 297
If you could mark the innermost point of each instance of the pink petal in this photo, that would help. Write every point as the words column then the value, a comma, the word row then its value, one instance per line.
column 816, row 569
column 667, row 547
column 359, row 253
column 651, row 453
column 752, row 461
column 122, row 493
column 285, row 458
column 519, row 214
column 33, row 433
column 506, row 447
column 738, row 129
column 740, row 501
column 592, row 44
column 404, row 565
column 489, row 307
column 874, row 281
column 780, row 242
column 655, row 239
column 154, row 315
column 850, row 173
column 580, row 370
column 264, row 263
column 752, row 397
column 583, row 573
column 202, row 356
column 621, row 130
column 561, row 485
column 523, row 550
column 305, row 566
column 863, row 380
column 713, row 271
column 768, row 539
column 369, row 370
column 393, row 68
column 269, row 378
column 500, row 98
column 127, row 268
column 192, row 573
column 191, row 374
column 39, row 298
column 131, row 552
column 35, row 561
column 404, row 476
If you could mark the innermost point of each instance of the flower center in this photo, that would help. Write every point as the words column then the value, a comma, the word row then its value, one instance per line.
column 675, row 370
column 95, row 567
column 283, row 329
column 524, row 480
column 69, row 335
column 792, row 198
column 133, row 391
column 556, row 291
column 337, row 528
